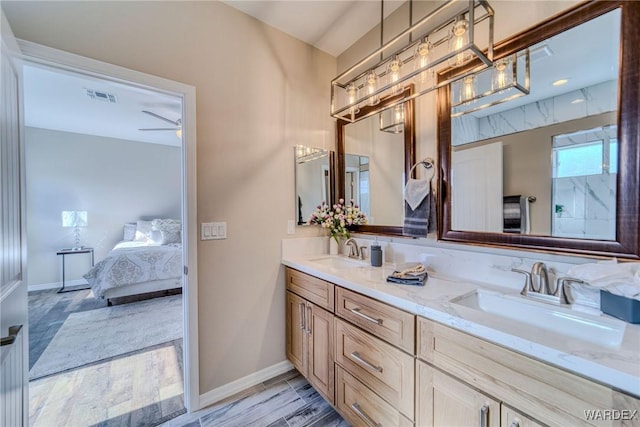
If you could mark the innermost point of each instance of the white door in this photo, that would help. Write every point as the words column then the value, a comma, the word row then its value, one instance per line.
column 13, row 286
column 476, row 183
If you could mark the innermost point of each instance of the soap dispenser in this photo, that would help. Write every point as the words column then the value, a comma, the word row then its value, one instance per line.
column 376, row 254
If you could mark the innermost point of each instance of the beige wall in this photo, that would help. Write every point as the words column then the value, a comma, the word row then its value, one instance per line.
column 259, row 92
column 114, row 180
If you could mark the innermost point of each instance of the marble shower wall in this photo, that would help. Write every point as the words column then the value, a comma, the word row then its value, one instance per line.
column 588, row 207
column 589, row 101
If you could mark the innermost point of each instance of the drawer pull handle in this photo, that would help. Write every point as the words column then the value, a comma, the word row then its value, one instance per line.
column 360, row 360
column 484, row 416
column 357, row 312
column 356, row 408
column 309, row 319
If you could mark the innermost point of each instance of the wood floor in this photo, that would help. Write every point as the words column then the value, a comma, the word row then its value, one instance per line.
column 141, row 388
column 285, row 401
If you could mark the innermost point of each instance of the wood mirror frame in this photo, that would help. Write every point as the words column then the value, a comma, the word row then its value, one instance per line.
column 409, row 155
column 627, row 243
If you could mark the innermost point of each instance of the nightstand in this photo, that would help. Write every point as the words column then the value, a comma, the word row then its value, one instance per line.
column 64, row 253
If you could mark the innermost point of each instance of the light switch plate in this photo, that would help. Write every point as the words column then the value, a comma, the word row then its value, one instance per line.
column 291, row 227
column 213, row 230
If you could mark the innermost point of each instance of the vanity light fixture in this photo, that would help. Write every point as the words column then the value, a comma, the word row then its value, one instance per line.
column 455, row 32
column 508, row 79
column 392, row 119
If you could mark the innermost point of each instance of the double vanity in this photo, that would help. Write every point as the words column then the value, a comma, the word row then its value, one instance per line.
column 455, row 352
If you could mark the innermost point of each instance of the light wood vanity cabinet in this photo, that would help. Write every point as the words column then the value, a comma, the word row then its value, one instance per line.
column 359, row 354
column 445, row 401
column 310, row 339
column 542, row 394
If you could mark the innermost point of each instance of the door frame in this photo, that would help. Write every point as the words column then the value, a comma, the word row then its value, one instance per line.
column 43, row 55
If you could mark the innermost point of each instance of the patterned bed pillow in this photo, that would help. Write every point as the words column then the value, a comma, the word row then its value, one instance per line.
column 170, row 230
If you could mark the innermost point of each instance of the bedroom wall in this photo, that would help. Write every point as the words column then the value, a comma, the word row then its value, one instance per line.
column 259, row 93
column 114, row 180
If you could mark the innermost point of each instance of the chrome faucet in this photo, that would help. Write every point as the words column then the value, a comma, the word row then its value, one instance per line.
column 354, row 250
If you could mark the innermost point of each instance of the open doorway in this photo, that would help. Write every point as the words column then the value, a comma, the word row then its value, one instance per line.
column 100, row 194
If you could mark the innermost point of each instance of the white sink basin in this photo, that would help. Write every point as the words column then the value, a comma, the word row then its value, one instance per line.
column 583, row 326
column 336, row 261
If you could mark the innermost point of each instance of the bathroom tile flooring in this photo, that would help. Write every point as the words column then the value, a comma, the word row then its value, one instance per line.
column 284, row 401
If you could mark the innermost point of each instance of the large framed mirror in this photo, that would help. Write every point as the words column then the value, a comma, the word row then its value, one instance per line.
column 314, row 180
column 556, row 169
column 374, row 159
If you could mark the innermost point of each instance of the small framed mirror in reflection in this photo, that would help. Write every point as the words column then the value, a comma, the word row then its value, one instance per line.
column 313, row 180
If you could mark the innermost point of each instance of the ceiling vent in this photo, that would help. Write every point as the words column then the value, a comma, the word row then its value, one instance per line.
column 101, row 96
column 541, row 51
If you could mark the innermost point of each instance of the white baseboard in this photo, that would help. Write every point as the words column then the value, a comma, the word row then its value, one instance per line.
column 244, row 383
column 56, row 285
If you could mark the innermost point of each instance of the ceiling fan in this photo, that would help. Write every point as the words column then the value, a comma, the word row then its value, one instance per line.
column 176, row 123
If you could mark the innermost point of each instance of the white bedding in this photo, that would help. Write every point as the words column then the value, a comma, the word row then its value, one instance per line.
column 133, row 262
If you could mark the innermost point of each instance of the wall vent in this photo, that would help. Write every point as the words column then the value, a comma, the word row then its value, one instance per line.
column 101, row 96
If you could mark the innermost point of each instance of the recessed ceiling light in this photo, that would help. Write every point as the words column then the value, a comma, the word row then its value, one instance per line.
column 577, row 101
column 560, row 82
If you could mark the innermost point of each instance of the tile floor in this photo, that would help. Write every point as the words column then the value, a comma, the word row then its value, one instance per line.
column 284, row 401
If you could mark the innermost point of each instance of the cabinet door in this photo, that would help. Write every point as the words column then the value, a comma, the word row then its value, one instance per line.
column 444, row 401
column 320, row 369
column 512, row 418
column 295, row 329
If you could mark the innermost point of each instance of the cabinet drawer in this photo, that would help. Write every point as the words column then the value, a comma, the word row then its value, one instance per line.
column 311, row 288
column 383, row 368
column 551, row 395
column 393, row 325
column 362, row 407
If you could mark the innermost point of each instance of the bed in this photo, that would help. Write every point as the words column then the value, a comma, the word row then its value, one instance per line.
column 144, row 265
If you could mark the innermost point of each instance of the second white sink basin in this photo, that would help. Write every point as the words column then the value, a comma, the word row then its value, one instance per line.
column 564, row 321
column 336, row 261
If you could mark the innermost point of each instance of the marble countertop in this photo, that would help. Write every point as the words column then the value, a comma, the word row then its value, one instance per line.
column 617, row 367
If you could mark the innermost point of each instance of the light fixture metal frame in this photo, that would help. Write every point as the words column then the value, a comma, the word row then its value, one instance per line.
column 357, row 72
column 521, row 88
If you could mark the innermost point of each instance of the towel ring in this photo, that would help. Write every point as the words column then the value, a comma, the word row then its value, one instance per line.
column 428, row 163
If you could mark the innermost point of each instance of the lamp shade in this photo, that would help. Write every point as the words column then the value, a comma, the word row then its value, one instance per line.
column 74, row 218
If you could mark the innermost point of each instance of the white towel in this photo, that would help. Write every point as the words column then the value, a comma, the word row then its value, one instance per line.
column 415, row 191
column 621, row 279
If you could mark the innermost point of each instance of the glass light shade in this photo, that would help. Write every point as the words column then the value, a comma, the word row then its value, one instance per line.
column 422, row 59
column 371, row 81
column 468, row 91
column 352, row 97
column 458, row 39
column 393, row 74
column 502, row 74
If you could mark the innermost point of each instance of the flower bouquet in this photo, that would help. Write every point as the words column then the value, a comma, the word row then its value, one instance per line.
column 339, row 218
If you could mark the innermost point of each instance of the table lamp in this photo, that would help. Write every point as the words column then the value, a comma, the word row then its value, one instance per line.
column 75, row 219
